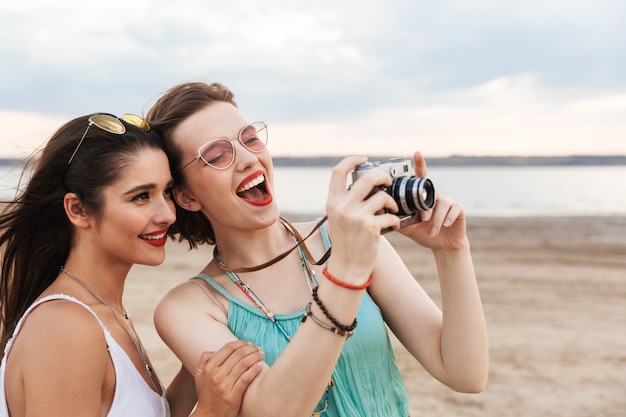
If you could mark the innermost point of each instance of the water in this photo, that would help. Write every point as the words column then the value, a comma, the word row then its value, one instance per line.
column 487, row 191
column 483, row 191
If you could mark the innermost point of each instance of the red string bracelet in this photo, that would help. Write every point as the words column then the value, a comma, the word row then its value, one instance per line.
column 345, row 284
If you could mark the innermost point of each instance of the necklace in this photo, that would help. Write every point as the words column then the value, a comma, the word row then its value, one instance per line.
column 311, row 281
column 137, row 344
column 300, row 244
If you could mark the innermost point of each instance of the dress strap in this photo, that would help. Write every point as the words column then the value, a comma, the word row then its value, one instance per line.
column 325, row 238
column 37, row 303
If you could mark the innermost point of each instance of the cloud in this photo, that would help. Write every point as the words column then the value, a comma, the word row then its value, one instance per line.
column 508, row 115
column 328, row 64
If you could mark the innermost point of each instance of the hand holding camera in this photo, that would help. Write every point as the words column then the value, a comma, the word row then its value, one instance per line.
column 440, row 228
column 425, row 216
column 412, row 195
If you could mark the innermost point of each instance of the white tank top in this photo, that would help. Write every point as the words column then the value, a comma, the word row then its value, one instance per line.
column 133, row 397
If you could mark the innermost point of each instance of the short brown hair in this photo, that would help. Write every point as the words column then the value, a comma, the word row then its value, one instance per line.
column 170, row 110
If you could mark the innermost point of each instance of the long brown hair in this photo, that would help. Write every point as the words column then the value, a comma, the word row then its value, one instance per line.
column 170, row 110
column 35, row 233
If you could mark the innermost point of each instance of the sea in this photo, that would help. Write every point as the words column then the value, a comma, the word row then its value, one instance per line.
column 493, row 191
column 486, row 191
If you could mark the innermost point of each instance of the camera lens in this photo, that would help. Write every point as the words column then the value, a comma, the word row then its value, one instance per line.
column 412, row 194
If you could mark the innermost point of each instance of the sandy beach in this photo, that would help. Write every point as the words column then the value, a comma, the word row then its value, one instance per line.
column 554, row 294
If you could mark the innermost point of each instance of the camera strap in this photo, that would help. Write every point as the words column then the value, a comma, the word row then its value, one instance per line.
column 299, row 242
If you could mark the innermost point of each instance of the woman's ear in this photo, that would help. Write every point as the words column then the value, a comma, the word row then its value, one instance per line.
column 75, row 210
column 185, row 199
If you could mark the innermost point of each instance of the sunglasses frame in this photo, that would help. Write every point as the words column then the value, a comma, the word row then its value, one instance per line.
column 232, row 144
column 111, row 124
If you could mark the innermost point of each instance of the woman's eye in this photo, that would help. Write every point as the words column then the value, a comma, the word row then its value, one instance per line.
column 251, row 141
column 216, row 159
column 141, row 196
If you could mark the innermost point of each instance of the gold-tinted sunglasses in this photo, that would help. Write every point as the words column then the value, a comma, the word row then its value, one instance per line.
column 111, row 124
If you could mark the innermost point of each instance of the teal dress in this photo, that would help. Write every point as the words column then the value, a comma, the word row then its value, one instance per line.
column 367, row 379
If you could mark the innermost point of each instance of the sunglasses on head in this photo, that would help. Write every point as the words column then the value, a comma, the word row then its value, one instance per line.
column 220, row 153
column 111, row 124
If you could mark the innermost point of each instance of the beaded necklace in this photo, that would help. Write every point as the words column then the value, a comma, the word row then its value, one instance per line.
column 309, row 273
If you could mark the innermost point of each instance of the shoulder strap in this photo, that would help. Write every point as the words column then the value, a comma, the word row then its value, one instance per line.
column 44, row 300
column 56, row 297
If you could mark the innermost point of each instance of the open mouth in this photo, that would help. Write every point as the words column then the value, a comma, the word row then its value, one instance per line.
column 255, row 191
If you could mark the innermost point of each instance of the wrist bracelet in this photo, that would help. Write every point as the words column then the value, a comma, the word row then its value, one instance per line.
column 330, row 317
column 345, row 284
column 340, row 332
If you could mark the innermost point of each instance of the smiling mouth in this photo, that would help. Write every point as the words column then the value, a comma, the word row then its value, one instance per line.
column 154, row 237
column 254, row 190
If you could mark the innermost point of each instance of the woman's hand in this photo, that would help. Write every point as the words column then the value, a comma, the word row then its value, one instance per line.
column 442, row 227
column 222, row 377
column 356, row 219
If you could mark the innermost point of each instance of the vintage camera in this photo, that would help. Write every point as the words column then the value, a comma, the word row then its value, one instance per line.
column 411, row 194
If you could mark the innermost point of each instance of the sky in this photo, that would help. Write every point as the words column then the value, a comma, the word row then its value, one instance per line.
column 375, row 77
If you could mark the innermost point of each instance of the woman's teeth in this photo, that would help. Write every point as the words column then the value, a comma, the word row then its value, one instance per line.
column 258, row 180
column 154, row 237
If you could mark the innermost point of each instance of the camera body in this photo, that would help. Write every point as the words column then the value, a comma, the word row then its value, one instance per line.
column 411, row 194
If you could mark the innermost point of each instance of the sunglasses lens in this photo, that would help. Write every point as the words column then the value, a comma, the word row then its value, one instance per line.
column 218, row 153
column 108, row 123
column 254, row 136
column 136, row 121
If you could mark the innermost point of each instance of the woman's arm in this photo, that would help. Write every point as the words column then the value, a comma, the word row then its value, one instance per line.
column 221, row 378
column 294, row 383
column 191, row 324
column 451, row 343
column 181, row 394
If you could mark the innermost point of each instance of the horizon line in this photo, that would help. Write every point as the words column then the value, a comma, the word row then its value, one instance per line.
column 451, row 160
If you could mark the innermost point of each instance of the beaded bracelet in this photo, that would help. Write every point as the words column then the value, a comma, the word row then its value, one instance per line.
column 345, row 284
column 340, row 332
column 329, row 316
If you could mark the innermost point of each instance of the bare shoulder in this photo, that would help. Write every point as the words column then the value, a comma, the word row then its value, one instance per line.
column 191, row 297
column 63, row 319
column 70, row 333
column 188, row 293
column 192, row 318
column 59, row 341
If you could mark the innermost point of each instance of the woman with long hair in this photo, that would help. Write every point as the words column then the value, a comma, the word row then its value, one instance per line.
column 97, row 201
